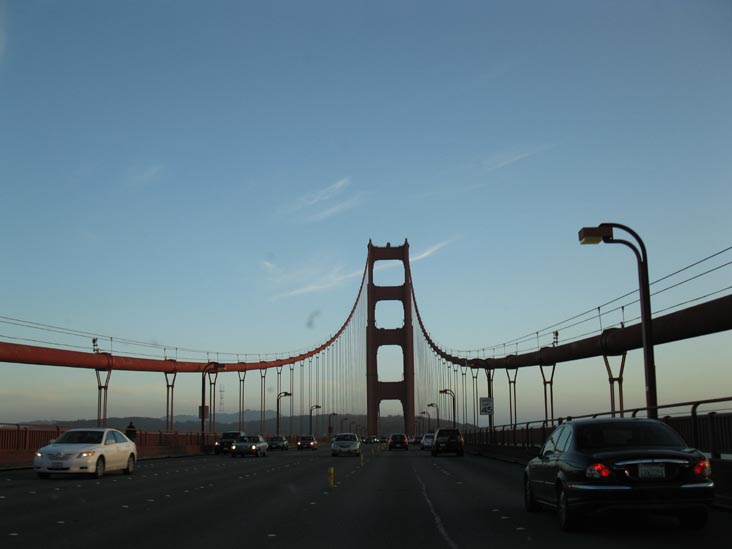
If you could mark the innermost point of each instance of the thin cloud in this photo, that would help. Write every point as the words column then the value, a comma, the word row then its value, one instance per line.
column 336, row 209
column 333, row 279
column 430, row 251
column 492, row 163
column 504, row 159
column 323, row 195
column 327, row 202
column 145, row 176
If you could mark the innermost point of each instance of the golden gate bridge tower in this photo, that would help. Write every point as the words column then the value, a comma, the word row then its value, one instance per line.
column 376, row 337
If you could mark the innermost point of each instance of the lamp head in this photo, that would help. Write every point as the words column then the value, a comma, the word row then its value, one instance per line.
column 595, row 235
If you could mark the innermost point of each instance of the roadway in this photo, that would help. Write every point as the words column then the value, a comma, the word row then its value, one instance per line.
column 392, row 499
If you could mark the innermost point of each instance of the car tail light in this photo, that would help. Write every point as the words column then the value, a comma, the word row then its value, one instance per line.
column 598, row 470
column 703, row 468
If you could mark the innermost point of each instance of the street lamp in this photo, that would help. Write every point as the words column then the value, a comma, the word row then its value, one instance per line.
column 434, row 405
column 330, row 424
column 206, row 369
column 449, row 392
column 279, row 396
column 313, row 407
column 342, row 420
column 429, row 420
column 604, row 233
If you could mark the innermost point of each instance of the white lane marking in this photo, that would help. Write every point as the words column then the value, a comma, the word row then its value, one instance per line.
column 438, row 520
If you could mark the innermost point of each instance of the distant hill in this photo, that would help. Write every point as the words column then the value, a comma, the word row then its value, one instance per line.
column 230, row 422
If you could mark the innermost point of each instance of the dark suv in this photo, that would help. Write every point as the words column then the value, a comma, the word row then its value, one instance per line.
column 223, row 445
column 448, row 440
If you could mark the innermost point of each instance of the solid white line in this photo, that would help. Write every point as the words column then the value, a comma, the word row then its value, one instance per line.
column 438, row 521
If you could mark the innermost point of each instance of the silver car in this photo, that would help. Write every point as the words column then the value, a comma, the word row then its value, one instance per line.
column 344, row 444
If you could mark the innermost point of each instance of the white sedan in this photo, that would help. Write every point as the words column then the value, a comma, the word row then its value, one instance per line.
column 345, row 443
column 91, row 451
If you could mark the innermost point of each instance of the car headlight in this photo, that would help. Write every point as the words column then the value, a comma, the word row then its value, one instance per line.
column 86, row 454
column 254, row 447
column 217, row 443
column 39, row 454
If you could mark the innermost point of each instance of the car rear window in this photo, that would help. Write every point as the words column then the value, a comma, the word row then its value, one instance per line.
column 448, row 433
column 622, row 435
column 348, row 438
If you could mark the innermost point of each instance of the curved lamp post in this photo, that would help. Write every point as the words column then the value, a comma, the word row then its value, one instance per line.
column 330, row 424
column 313, row 407
column 604, row 233
column 279, row 396
column 449, row 392
column 434, row 405
column 429, row 420
column 211, row 366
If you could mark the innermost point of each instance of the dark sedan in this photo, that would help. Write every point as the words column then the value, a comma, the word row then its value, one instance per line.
column 398, row 440
column 598, row 465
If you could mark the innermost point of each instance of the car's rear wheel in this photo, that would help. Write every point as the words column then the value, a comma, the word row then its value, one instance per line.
column 568, row 519
column 530, row 503
column 130, row 465
column 694, row 519
column 99, row 468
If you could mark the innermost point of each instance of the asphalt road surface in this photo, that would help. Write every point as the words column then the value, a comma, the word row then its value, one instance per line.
column 392, row 499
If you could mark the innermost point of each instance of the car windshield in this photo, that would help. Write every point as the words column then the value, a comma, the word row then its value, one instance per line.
column 626, row 435
column 80, row 437
column 234, row 434
column 306, row 439
column 347, row 438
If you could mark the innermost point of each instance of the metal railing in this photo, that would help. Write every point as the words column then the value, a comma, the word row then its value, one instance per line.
column 710, row 432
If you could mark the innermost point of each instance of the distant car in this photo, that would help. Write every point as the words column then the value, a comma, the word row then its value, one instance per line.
column 398, row 441
column 448, row 440
column 250, row 445
column 344, row 444
column 597, row 465
column 307, row 442
column 278, row 443
column 90, row 451
column 223, row 445
column 426, row 442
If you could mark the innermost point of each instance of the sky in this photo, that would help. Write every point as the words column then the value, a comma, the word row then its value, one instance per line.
column 208, row 175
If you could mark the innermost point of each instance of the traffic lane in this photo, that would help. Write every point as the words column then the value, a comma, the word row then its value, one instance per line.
column 164, row 503
column 378, row 502
column 495, row 490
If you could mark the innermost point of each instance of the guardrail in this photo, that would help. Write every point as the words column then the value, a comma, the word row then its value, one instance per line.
column 19, row 441
column 710, row 432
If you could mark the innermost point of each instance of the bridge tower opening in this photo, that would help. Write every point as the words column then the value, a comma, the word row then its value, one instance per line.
column 376, row 390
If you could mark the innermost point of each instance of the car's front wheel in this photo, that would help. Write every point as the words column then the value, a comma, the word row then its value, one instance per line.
column 130, row 465
column 99, row 468
column 530, row 503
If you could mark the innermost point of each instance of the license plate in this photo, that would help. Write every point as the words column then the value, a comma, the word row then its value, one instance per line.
column 651, row 470
column 56, row 465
